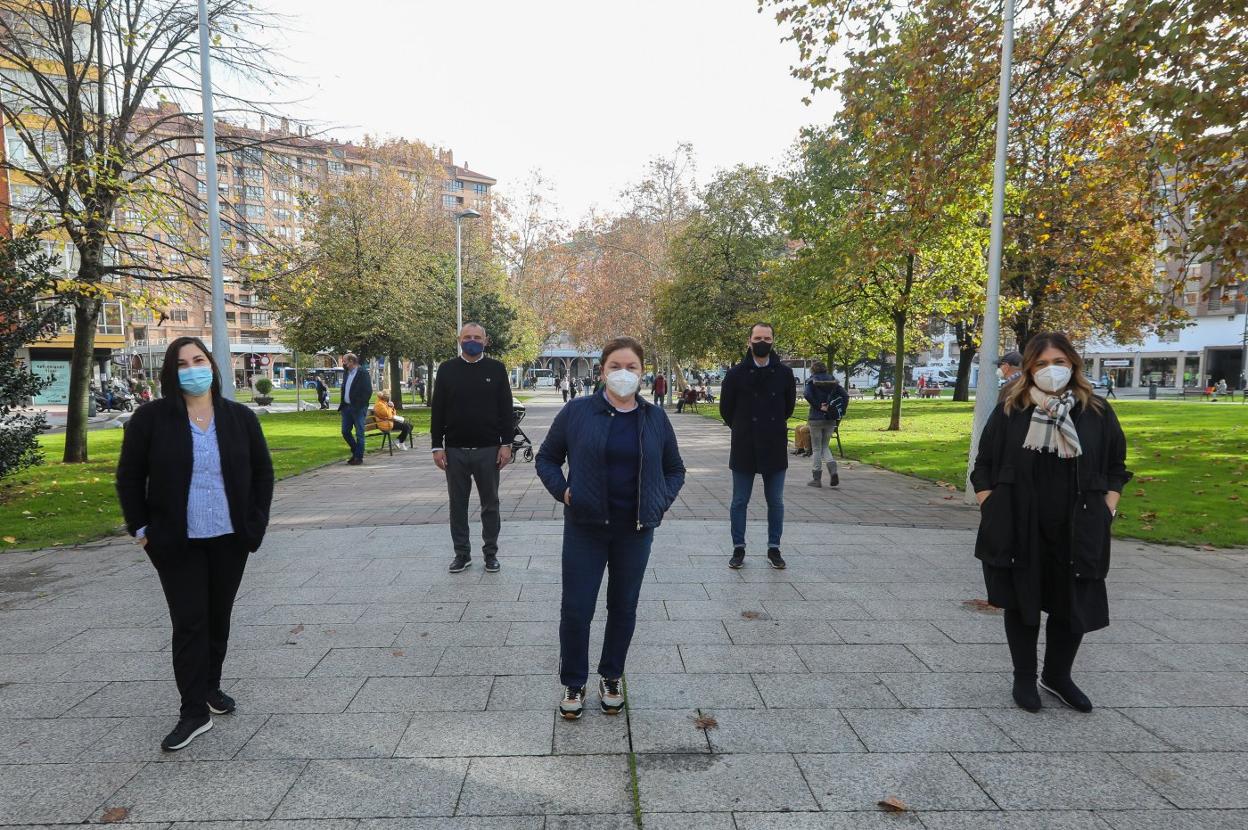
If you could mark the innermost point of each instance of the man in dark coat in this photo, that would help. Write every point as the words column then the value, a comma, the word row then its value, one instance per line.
column 353, row 404
column 756, row 402
column 1009, row 369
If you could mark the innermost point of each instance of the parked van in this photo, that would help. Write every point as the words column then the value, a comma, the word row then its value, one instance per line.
column 937, row 375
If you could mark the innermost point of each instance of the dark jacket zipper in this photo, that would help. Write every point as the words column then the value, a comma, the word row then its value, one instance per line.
column 641, row 457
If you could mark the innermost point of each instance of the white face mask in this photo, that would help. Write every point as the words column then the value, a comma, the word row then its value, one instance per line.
column 1052, row 379
column 623, row 382
column 1001, row 373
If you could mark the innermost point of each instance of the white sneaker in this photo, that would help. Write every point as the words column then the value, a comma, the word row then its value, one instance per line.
column 402, row 446
column 611, row 696
column 573, row 702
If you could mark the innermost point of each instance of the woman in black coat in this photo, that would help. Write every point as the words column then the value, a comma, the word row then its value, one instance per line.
column 195, row 482
column 1050, row 471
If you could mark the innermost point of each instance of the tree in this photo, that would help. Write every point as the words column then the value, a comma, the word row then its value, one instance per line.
column 528, row 229
column 80, row 88
column 29, row 311
column 1186, row 62
column 718, row 259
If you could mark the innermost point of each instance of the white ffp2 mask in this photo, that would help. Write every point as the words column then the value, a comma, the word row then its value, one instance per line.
column 623, row 382
column 1052, row 379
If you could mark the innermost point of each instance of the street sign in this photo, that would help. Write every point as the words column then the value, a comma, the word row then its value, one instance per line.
column 1116, row 362
column 264, row 360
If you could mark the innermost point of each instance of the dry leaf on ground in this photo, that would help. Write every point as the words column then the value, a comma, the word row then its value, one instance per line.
column 892, row 804
column 113, row 815
column 705, row 722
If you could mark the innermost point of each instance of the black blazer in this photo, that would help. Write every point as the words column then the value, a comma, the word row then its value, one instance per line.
column 154, row 473
column 361, row 390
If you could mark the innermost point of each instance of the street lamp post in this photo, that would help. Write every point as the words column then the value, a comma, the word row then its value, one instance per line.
column 220, row 332
column 459, row 270
column 990, row 345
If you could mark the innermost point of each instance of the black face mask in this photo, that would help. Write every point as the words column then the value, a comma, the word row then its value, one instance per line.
column 761, row 349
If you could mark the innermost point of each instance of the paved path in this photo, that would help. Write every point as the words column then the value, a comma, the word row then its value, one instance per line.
column 378, row 692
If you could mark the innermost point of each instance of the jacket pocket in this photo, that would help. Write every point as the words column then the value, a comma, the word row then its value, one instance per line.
column 994, row 544
column 1091, row 534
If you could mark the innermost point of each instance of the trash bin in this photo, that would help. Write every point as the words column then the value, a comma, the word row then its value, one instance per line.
column 1152, row 390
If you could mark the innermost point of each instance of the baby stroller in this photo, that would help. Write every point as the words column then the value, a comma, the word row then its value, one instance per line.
column 521, row 446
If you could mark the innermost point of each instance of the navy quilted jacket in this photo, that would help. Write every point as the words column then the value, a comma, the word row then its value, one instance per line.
column 579, row 435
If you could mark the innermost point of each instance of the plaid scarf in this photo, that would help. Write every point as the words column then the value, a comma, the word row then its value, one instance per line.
column 1051, row 428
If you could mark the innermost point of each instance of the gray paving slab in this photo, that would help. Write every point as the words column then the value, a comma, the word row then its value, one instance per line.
column 782, row 730
column 422, row 694
column 1056, row 728
column 1211, row 780
column 475, row 734
column 458, row 823
column 859, row 658
column 711, row 783
column 1207, row 728
column 923, row 781
column 522, row 786
column 715, row 659
column 301, row 695
column 1176, row 819
column 594, row 734
column 392, row 661
column 1059, row 781
column 1037, row 820
column 138, row 739
column 810, row 691
column 684, row 691
column 58, row 793
column 49, row 740
column 204, row 790
column 827, row 821
column 927, row 730
column 353, row 735
column 43, row 700
column 780, row 632
column 478, row 660
column 375, row 788
column 666, row 730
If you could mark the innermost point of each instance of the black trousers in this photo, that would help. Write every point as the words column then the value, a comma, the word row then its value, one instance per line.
column 463, row 467
column 200, row 583
column 1061, row 646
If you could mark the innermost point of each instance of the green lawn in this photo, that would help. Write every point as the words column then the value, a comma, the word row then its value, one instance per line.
column 61, row 504
column 1190, row 460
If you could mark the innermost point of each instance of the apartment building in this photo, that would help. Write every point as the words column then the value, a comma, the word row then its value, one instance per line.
column 260, row 176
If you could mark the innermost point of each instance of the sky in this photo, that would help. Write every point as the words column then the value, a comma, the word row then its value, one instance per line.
column 585, row 91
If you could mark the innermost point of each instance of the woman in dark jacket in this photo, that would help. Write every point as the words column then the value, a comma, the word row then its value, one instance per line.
column 828, row 401
column 624, row 472
column 1050, row 471
column 195, row 482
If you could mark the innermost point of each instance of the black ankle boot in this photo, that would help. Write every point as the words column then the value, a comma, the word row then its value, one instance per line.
column 1026, row 695
column 1067, row 692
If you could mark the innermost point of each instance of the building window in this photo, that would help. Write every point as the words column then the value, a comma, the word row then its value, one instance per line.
column 454, row 185
column 449, row 201
column 179, row 315
column 337, row 167
column 1159, row 370
column 253, row 211
column 480, row 189
column 280, row 196
column 254, row 193
column 281, row 215
column 253, row 174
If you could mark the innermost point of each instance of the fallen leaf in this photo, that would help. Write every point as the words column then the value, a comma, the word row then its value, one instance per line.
column 398, row 652
column 11, row 540
column 753, row 615
column 893, row 804
column 983, row 606
column 705, row 722
column 298, row 629
column 114, row 815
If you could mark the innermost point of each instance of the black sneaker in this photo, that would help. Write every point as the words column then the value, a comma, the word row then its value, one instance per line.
column 1026, row 696
column 460, row 562
column 834, row 481
column 1067, row 692
column 491, row 565
column 738, row 558
column 573, row 702
column 219, row 703
column 610, row 696
column 187, row 730
column 776, row 560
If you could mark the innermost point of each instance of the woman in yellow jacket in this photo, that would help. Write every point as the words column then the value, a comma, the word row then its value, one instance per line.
column 387, row 421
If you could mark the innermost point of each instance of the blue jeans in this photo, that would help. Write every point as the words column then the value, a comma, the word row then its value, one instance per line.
column 587, row 551
column 353, row 420
column 773, row 490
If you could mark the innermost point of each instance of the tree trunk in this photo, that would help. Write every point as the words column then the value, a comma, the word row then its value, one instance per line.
column 830, row 352
column 899, row 367
column 966, row 358
column 86, row 312
column 396, row 380
column 428, row 382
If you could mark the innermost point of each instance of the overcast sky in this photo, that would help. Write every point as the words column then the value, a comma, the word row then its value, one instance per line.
column 585, row 90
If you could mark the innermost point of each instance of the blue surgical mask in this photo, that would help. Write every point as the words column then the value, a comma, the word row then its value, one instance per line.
column 472, row 348
column 196, row 380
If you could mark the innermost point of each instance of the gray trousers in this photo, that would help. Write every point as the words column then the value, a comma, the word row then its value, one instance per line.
column 462, row 467
column 820, row 449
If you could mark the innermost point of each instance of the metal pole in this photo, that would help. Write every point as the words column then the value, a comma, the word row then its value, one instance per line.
column 298, row 386
column 990, row 344
column 459, row 281
column 220, row 332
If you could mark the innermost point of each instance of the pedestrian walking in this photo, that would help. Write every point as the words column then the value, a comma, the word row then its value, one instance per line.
column 756, row 401
column 389, row 421
column 573, row 388
column 471, row 428
column 624, row 472
column 1109, row 386
column 1009, row 369
column 660, row 389
column 195, row 482
column 828, row 401
column 420, row 390
column 354, row 397
column 1048, row 476
column 322, row 392
column 565, row 386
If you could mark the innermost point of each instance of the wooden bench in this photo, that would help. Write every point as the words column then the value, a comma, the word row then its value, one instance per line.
column 371, row 428
column 929, row 392
column 854, row 393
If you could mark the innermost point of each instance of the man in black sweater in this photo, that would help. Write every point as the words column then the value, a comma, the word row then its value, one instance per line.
column 472, row 425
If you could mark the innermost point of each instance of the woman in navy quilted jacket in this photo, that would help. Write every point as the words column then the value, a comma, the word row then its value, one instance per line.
column 624, row 472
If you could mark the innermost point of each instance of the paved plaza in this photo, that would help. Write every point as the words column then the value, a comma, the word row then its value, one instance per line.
column 377, row 691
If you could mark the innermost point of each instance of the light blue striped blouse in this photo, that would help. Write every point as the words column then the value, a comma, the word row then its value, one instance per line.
column 207, row 509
